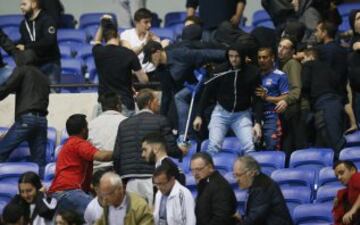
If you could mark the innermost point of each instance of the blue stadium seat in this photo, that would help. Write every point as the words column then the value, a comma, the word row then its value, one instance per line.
column 229, row 176
column 11, row 20
column 312, row 158
column 20, row 154
column 11, row 171
column 64, row 136
column 353, row 139
column 71, row 73
column 7, row 191
column 164, row 33
column 267, row 23
column 352, row 154
column 295, row 196
column 90, row 32
column 269, row 160
column 67, row 21
column 155, row 20
column 345, row 8
column 90, row 19
column 49, row 171
column 230, row 144
column 344, row 26
column 224, row 161
column 85, row 52
column 13, row 33
column 327, row 177
column 2, row 206
column 260, row 16
column 3, row 130
column 65, row 51
column 327, row 193
column 9, row 60
column 190, row 182
column 294, row 177
column 57, row 151
column 91, row 69
column 52, row 135
column 241, row 197
column 72, row 38
column 173, row 18
column 313, row 213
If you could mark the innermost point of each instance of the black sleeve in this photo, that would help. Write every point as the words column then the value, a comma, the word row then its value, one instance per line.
column 258, row 106
column 165, row 130
column 208, row 93
column 12, row 82
column 192, row 3
column 223, row 203
column 6, row 43
column 135, row 63
column 306, row 80
column 48, row 36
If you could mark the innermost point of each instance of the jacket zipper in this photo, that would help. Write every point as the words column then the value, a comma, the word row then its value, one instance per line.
column 235, row 90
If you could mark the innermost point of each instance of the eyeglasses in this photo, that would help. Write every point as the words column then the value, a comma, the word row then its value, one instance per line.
column 198, row 169
column 238, row 175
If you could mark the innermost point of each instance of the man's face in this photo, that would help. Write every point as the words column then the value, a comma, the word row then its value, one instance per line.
column 163, row 184
column 234, row 58
column 27, row 192
column 111, row 196
column 27, row 6
column 295, row 4
column 343, row 173
column 357, row 23
column 156, row 58
column 148, row 152
column 242, row 175
column 200, row 169
column 319, row 33
column 60, row 221
column 155, row 104
column 265, row 60
column 143, row 25
column 285, row 49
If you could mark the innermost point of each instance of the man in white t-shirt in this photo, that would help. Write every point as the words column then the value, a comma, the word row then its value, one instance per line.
column 136, row 38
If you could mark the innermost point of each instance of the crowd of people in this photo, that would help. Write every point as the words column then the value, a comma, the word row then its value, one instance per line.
column 282, row 89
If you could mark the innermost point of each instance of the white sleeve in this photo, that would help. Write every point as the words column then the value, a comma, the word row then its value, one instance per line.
column 187, row 207
column 87, row 215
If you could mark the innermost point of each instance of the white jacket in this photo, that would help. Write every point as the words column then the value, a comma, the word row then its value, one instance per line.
column 180, row 206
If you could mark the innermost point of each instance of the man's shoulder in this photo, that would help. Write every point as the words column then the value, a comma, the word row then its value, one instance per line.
column 128, row 34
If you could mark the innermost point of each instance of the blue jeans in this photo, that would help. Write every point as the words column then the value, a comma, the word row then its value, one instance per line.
column 74, row 200
column 30, row 128
column 271, row 131
column 5, row 73
column 239, row 122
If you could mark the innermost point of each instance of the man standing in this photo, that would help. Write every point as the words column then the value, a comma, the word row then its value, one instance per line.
column 274, row 89
column 116, row 65
column 154, row 152
column 215, row 202
column 74, row 167
column 128, row 162
column 174, row 204
column 347, row 203
column 122, row 207
column 233, row 86
column 32, row 90
column 9, row 47
column 38, row 32
column 103, row 129
column 265, row 203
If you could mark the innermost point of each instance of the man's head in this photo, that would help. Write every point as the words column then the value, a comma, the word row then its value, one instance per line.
column 14, row 214
column 344, row 170
column 111, row 189
column 192, row 20
column 29, row 6
column 153, row 53
column 29, row 186
column 286, row 49
column 235, row 57
column 153, row 145
column 148, row 99
column 111, row 101
column 324, row 31
column 354, row 20
column 142, row 18
column 192, row 32
column 202, row 166
column 266, row 59
column 164, row 179
column 245, row 169
column 310, row 54
column 109, row 29
column 76, row 125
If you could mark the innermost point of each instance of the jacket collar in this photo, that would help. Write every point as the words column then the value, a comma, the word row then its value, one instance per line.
column 145, row 110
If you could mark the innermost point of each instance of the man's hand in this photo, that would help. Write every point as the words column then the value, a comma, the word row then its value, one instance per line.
column 356, row 46
column 184, row 147
column 20, row 47
column 235, row 20
column 237, row 216
column 257, row 131
column 261, row 92
column 281, row 106
column 197, row 123
column 347, row 218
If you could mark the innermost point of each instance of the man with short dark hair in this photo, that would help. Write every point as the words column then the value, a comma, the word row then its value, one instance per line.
column 74, row 166
column 215, row 201
column 347, row 203
column 115, row 65
column 128, row 163
column 265, row 203
column 174, row 203
column 14, row 214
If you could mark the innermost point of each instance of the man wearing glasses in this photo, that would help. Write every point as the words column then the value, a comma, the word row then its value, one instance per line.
column 216, row 201
column 265, row 203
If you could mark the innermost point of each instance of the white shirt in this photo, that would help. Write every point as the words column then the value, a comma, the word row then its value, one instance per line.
column 93, row 212
column 117, row 215
column 180, row 206
column 131, row 36
column 102, row 132
column 158, row 163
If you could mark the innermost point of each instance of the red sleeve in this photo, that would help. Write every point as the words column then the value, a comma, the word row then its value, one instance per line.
column 87, row 151
column 338, row 210
column 355, row 181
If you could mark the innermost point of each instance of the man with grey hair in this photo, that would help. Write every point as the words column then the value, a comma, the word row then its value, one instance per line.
column 121, row 207
column 265, row 203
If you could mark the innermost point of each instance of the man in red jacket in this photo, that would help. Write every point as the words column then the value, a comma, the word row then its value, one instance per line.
column 347, row 202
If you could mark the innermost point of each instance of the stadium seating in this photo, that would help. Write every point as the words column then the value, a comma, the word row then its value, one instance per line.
column 312, row 158
column 64, row 136
column 67, row 21
column 327, row 193
column 312, row 213
column 269, row 160
column 327, row 177
column 345, row 8
column 71, row 73
column 72, row 38
column 229, row 176
column 49, row 172
column 294, row 177
column 57, row 151
column 2, row 206
column 295, row 196
column 7, row 191
column 11, row 20
column 241, row 197
column 13, row 33
column 65, row 51
column 164, row 33
column 174, row 18
column 352, row 153
column 260, row 16
column 224, row 161
column 90, row 19
column 190, row 182
column 11, row 171
column 353, row 139
column 230, row 144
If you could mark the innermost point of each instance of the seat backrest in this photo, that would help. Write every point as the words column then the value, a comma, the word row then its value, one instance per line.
column 11, row 171
column 89, row 19
column 7, row 191
column 172, row 18
column 224, row 161
column 327, row 176
column 260, row 16
column 49, row 171
column 315, row 158
column 352, row 154
column 294, row 177
column 11, row 20
column 20, row 154
column 327, row 193
column 241, row 196
column 269, row 160
column 295, row 196
column 71, row 35
column 313, row 213
column 164, row 33
column 345, row 8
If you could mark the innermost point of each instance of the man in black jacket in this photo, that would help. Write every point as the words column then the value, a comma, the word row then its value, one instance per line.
column 216, row 201
column 38, row 32
column 32, row 90
column 265, row 203
column 9, row 47
column 128, row 163
column 233, row 86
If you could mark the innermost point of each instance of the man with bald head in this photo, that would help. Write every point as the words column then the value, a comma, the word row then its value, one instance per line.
column 265, row 203
column 121, row 207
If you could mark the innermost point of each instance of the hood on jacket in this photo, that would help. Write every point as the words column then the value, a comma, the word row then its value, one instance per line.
column 192, row 32
column 239, row 48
